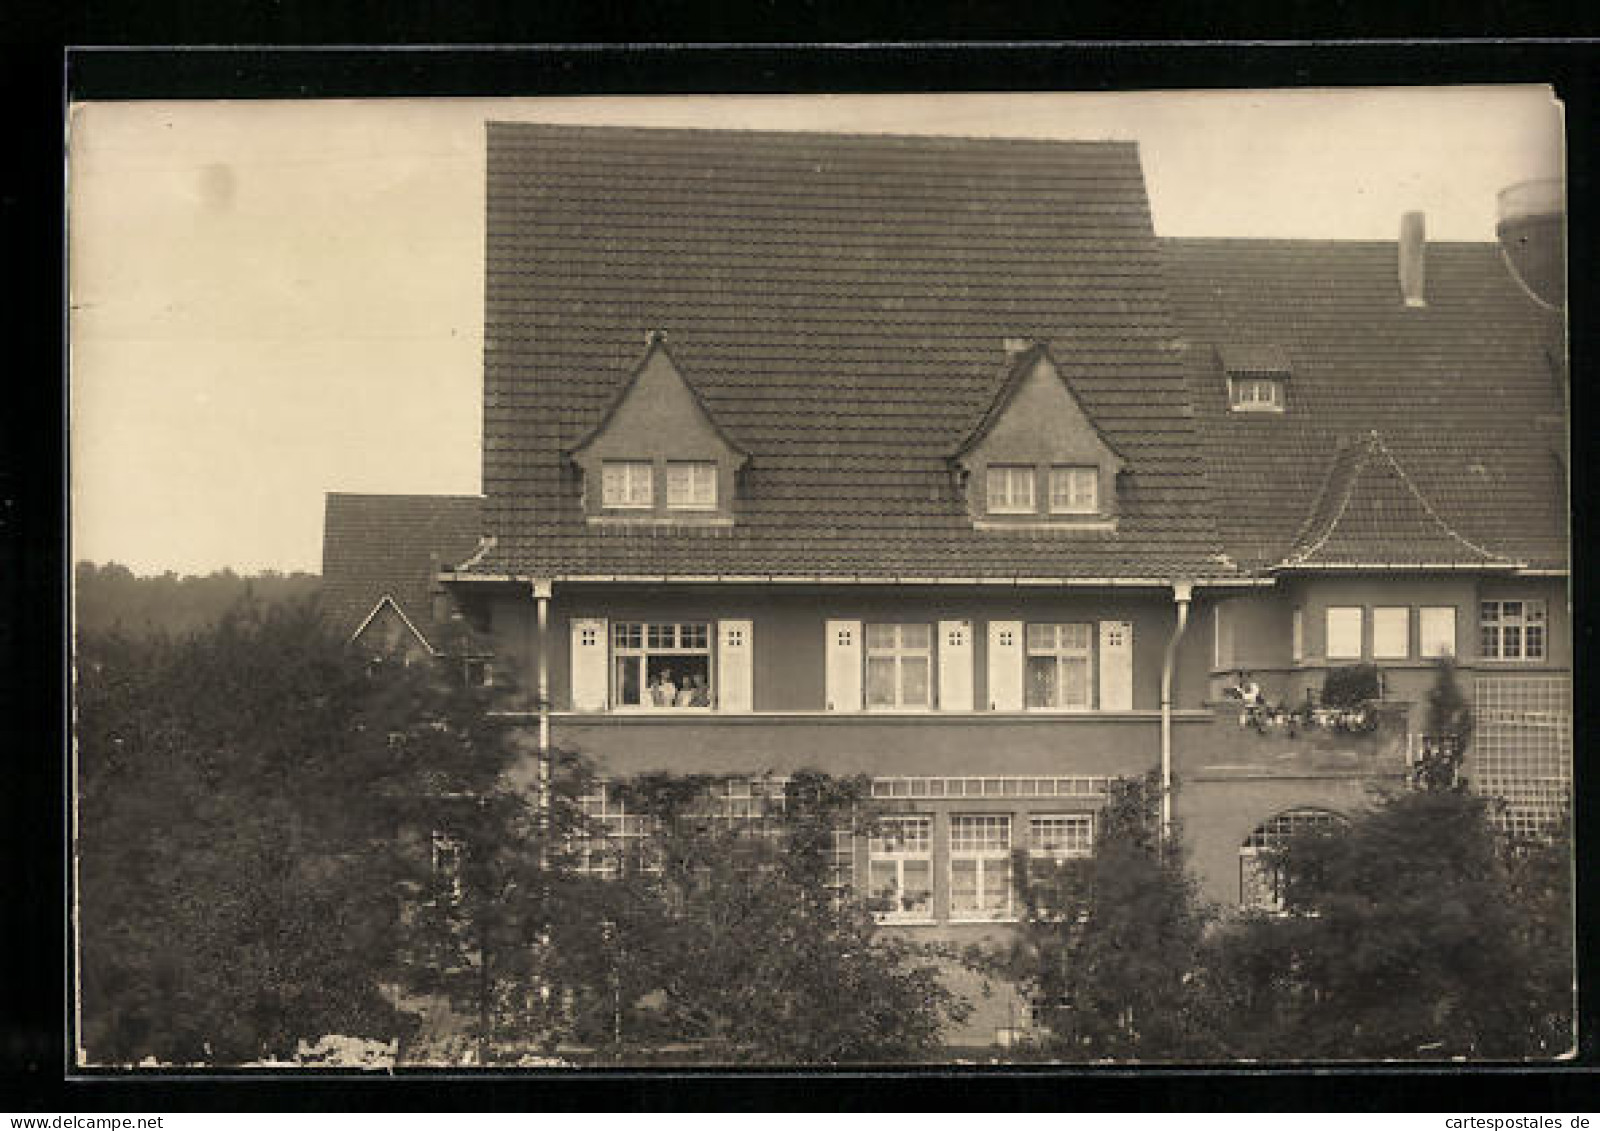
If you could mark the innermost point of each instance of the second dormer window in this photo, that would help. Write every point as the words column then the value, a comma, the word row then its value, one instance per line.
column 1010, row 489
column 1255, row 394
column 1074, row 490
column 627, row 483
column 692, row 485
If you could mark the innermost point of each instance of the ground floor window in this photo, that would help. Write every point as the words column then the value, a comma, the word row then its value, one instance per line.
column 1261, row 882
column 980, row 866
column 661, row 665
column 1060, row 836
column 900, row 867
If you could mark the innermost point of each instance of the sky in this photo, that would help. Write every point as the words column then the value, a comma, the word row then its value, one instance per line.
column 273, row 300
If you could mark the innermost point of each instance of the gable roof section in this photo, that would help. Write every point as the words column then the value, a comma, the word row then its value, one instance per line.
column 1016, row 374
column 1461, row 390
column 1370, row 513
column 377, row 546
column 657, row 344
column 841, row 302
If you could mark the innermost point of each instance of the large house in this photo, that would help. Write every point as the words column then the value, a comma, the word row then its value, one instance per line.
column 925, row 458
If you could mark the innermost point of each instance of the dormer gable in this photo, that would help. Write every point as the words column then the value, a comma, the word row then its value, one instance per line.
column 1037, row 457
column 657, row 455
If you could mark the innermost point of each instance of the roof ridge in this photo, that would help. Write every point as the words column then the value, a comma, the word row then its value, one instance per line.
column 831, row 135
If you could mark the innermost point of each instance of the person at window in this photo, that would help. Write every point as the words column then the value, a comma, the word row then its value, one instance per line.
column 663, row 692
column 694, row 692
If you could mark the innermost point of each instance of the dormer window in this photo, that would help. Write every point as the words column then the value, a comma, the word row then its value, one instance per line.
column 1074, row 490
column 1011, row 489
column 656, row 458
column 1257, row 376
column 691, row 485
column 1037, row 460
column 1255, row 394
column 627, row 484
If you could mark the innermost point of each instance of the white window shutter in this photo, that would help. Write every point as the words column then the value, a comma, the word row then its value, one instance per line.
column 734, row 666
column 1116, row 665
column 589, row 649
column 955, row 665
column 844, row 665
column 1005, row 665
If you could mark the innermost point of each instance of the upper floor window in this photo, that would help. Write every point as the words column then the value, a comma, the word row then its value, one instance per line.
column 1512, row 630
column 899, row 665
column 1255, row 394
column 627, row 483
column 1391, row 632
column 1011, row 489
column 661, row 665
column 1059, row 659
column 1436, row 630
column 1074, row 490
column 691, row 485
column 1344, row 632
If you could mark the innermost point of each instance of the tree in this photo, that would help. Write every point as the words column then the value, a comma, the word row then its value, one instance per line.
column 1405, row 935
column 240, row 794
column 728, row 941
column 1110, row 945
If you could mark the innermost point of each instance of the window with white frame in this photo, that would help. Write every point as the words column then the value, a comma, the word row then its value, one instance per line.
column 1391, row 633
column 1344, row 632
column 1512, row 630
column 980, row 866
column 691, row 485
column 616, row 839
column 661, row 666
column 1074, row 490
column 900, row 868
column 1060, row 836
column 627, row 483
column 1010, row 488
column 1436, row 631
column 1255, row 394
column 1060, row 663
column 899, row 666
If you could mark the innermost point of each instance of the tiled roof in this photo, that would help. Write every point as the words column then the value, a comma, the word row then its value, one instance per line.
column 392, row 545
column 840, row 303
column 1370, row 513
column 1258, row 357
column 1461, row 390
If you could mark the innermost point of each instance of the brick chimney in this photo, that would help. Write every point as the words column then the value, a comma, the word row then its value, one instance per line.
column 1413, row 259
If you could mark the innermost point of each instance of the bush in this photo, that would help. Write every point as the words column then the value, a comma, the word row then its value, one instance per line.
column 1350, row 687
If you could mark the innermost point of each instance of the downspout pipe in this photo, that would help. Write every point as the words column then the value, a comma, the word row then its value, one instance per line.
column 541, row 600
column 1182, row 591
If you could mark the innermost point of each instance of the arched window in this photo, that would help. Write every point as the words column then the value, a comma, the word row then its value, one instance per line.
column 1260, row 878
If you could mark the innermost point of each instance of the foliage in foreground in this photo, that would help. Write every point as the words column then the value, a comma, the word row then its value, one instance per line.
column 1110, row 945
column 259, row 866
column 241, row 792
column 728, row 941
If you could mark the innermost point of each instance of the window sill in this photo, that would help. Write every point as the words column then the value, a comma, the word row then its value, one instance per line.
column 641, row 710
column 890, row 920
column 1064, row 524
column 856, row 718
column 650, row 519
column 965, row 921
